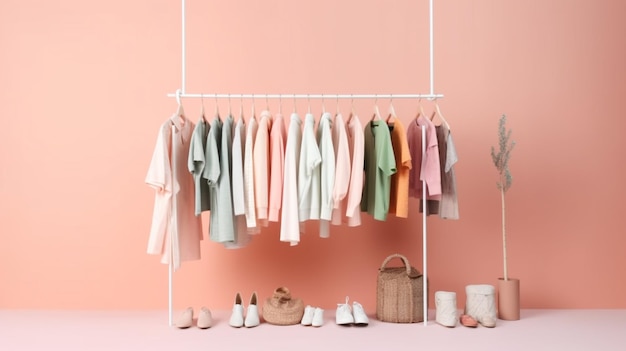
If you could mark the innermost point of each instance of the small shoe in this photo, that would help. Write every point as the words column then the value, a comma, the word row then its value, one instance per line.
column 344, row 316
column 205, row 320
column 318, row 317
column 360, row 318
column 488, row 322
column 186, row 319
column 252, row 315
column 468, row 321
column 307, row 318
column 236, row 318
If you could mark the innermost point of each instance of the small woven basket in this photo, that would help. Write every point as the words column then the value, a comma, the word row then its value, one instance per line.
column 282, row 309
column 400, row 293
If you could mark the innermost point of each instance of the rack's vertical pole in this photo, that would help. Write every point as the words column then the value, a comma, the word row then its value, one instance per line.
column 432, row 51
column 424, row 251
column 424, row 201
column 173, row 227
column 183, row 47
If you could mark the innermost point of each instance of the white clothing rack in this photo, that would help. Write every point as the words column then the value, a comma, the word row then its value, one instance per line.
column 181, row 93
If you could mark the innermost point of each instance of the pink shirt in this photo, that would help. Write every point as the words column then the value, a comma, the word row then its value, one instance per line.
column 278, row 138
column 174, row 225
column 424, row 168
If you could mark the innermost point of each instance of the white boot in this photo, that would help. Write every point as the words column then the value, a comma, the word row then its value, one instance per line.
column 445, row 303
column 481, row 303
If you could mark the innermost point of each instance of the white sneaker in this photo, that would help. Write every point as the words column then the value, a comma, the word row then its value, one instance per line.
column 343, row 315
column 236, row 318
column 307, row 318
column 318, row 317
column 360, row 318
column 252, row 315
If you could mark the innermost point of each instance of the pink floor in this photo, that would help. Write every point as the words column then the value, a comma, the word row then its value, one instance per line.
column 148, row 330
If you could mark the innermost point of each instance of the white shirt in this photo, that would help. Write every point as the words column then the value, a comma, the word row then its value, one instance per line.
column 248, row 174
column 290, row 225
column 327, row 172
column 309, row 173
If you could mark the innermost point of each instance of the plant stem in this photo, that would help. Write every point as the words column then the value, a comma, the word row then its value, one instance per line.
column 506, row 273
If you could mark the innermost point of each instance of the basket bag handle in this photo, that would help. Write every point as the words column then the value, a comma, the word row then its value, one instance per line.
column 402, row 257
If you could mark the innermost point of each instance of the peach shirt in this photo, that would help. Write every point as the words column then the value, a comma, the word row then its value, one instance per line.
column 261, row 154
column 278, row 137
column 356, row 144
column 342, row 167
column 168, row 175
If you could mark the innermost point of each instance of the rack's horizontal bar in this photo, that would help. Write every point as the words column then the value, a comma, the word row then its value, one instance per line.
column 308, row 96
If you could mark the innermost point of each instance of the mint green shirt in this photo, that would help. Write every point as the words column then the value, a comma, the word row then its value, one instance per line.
column 379, row 165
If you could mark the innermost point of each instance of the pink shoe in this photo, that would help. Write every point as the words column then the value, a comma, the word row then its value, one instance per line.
column 468, row 321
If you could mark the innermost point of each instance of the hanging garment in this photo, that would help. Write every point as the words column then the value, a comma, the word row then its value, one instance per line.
column 196, row 166
column 261, row 156
column 327, row 172
column 217, row 174
column 379, row 166
column 174, row 234
column 239, row 137
column 242, row 237
column 426, row 168
column 449, row 204
column 399, row 193
column 248, row 174
column 356, row 146
column 309, row 173
column 278, row 138
column 290, row 224
column 342, row 167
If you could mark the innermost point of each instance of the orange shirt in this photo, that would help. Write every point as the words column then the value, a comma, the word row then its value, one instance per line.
column 399, row 195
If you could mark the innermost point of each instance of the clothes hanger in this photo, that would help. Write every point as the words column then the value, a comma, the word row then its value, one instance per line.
column 376, row 116
column 421, row 109
column 180, row 112
column 217, row 109
column 202, row 107
column 280, row 104
column 241, row 109
column 308, row 98
column 352, row 114
column 441, row 115
column 392, row 112
column 323, row 105
column 294, row 104
column 253, row 112
column 229, row 106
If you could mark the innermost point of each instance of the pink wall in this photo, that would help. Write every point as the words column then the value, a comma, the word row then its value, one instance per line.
column 83, row 93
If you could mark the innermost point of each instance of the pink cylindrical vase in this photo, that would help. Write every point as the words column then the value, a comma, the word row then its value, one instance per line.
column 508, row 299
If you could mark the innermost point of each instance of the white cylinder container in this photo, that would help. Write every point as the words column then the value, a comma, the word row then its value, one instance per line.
column 480, row 301
column 446, row 311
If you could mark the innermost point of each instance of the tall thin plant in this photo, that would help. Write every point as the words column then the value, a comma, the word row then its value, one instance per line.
column 501, row 161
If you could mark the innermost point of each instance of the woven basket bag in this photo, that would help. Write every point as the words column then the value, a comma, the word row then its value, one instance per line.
column 400, row 293
column 282, row 309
